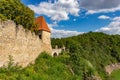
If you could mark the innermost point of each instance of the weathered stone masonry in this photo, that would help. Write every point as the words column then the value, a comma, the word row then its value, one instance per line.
column 24, row 46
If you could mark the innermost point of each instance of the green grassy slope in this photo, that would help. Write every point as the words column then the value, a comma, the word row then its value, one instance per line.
column 49, row 68
column 45, row 68
column 115, row 75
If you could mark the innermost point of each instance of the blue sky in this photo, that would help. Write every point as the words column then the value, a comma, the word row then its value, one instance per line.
column 73, row 17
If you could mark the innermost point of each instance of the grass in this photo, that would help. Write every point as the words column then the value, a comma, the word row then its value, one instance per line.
column 45, row 68
column 115, row 75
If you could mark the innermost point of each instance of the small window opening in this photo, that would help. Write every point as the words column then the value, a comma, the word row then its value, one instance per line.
column 55, row 54
column 40, row 34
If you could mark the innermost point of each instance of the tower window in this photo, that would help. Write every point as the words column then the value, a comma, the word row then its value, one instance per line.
column 40, row 34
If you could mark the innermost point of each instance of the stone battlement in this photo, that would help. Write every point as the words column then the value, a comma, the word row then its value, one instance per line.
column 23, row 45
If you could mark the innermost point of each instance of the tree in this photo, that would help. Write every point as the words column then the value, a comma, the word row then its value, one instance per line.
column 16, row 11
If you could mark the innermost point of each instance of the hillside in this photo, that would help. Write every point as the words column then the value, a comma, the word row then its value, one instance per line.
column 98, row 48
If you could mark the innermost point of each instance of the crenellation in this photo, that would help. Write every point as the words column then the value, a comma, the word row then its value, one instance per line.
column 23, row 45
column 8, row 23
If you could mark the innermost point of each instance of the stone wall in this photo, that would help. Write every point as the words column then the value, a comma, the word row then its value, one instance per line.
column 56, row 51
column 23, row 45
column 110, row 68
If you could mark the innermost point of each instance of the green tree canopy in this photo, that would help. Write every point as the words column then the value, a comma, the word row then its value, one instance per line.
column 97, row 48
column 16, row 11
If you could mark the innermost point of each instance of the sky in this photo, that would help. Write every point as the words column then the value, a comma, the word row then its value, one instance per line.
column 72, row 17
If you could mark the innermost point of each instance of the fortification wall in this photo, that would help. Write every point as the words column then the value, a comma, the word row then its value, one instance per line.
column 24, row 46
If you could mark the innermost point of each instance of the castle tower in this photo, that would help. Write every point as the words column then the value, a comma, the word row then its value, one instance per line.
column 43, row 30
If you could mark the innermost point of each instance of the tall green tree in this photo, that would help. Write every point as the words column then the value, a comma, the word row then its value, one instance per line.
column 16, row 11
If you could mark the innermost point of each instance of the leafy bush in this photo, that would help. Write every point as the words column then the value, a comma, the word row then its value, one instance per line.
column 46, row 67
column 16, row 11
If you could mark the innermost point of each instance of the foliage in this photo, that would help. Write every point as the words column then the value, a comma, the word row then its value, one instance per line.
column 45, row 68
column 16, row 11
column 98, row 48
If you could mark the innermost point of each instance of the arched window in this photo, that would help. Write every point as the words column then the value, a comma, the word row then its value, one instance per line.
column 55, row 54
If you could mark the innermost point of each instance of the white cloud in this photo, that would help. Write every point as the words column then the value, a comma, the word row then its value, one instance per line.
column 104, row 17
column 116, row 19
column 104, row 10
column 61, row 9
column 112, row 28
column 100, row 6
column 64, row 33
column 58, row 10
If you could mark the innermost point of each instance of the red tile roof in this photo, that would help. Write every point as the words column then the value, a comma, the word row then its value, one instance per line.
column 42, row 25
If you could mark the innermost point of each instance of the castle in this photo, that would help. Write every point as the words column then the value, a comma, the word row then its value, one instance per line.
column 23, row 45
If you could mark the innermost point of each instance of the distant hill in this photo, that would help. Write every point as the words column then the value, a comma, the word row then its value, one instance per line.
column 98, row 48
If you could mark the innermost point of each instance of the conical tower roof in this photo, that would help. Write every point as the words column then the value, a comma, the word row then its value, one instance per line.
column 42, row 25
